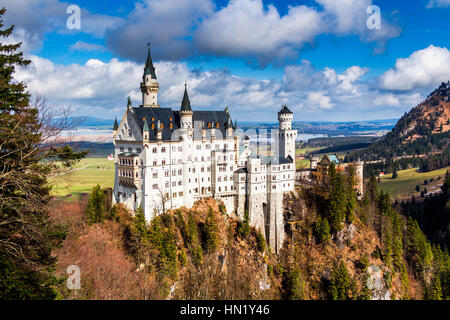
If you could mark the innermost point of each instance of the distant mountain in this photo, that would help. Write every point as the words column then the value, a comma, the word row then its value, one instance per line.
column 348, row 128
column 93, row 122
column 424, row 130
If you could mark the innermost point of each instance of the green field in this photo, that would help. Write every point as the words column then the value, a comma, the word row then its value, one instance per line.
column 83, row 177
column 303, row 163
column 405, row 185
column 303, row 151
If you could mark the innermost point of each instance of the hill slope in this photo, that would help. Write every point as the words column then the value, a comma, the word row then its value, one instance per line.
column 202, row 253
column 424, row 130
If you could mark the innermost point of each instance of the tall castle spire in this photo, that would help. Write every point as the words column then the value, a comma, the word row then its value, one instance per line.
column 186, row 111
column 185, row 104
column 149, row 69
column 149, row 84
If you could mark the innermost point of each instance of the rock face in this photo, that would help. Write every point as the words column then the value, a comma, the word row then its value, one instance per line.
column 377, row 283
column 264, row 284
column 345, row 235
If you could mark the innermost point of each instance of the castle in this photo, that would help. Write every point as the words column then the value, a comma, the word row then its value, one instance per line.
column 166, row 159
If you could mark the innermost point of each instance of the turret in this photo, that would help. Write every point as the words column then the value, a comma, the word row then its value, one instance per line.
column 247, row 141
column 203, row 130
column 149, row 84
column 145, row 132
column 313, row 162
column 159, row 131
column 359, row 175
column 229, row 128
column 287, row 136
column 285, row 117
column 115, row 126
column 186, row 111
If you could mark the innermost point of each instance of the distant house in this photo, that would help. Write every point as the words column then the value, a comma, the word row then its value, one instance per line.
column 111, row 157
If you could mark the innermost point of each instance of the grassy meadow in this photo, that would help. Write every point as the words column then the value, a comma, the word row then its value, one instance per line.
column 404, row 186
column 83, row 177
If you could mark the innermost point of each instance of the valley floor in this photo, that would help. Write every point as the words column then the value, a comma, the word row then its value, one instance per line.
column 404, row 186
column 83, row 177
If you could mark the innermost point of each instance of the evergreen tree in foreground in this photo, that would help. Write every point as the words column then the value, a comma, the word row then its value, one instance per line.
column 26, row 234
column 95, row 209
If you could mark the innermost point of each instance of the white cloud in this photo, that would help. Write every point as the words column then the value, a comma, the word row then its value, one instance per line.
column 165, row 23
column 99, row 88
column 86, row 46
column 33, row 19
column 246, row 28
column 387, row 100
column 423, row 68
column 317, row 100
column 438, row 4
column 349, row 78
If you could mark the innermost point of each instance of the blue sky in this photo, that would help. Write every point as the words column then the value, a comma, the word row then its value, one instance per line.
column 318, row 57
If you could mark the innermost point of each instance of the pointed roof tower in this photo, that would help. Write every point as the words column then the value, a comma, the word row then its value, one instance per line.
column 285, row 110
column 145, row 127
column 149, row 68
column 116, row 125
column 186, row 104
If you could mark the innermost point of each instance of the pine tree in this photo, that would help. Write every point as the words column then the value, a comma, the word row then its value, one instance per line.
column 244, row 226
column 434, row 292
column 394, row 174
column 95, row 209
column 337, row 202
column 211, row 232
column 140, row 226
column 340, row 282
column 322, row 230
column 260, row 241
column 26, row 234
column 293, row 285
column 192, row 230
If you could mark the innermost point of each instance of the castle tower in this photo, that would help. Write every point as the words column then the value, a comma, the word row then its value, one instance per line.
column 149, row 84
column 287, row 136
column 115, row 126
column 186, row 111
column 359, row 176
column 313, row 162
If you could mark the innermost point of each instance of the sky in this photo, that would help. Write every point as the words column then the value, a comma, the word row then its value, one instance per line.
column 327, row 60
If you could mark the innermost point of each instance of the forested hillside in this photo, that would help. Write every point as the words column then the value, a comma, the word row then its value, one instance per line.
column 335, row 244
column 422, row 131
